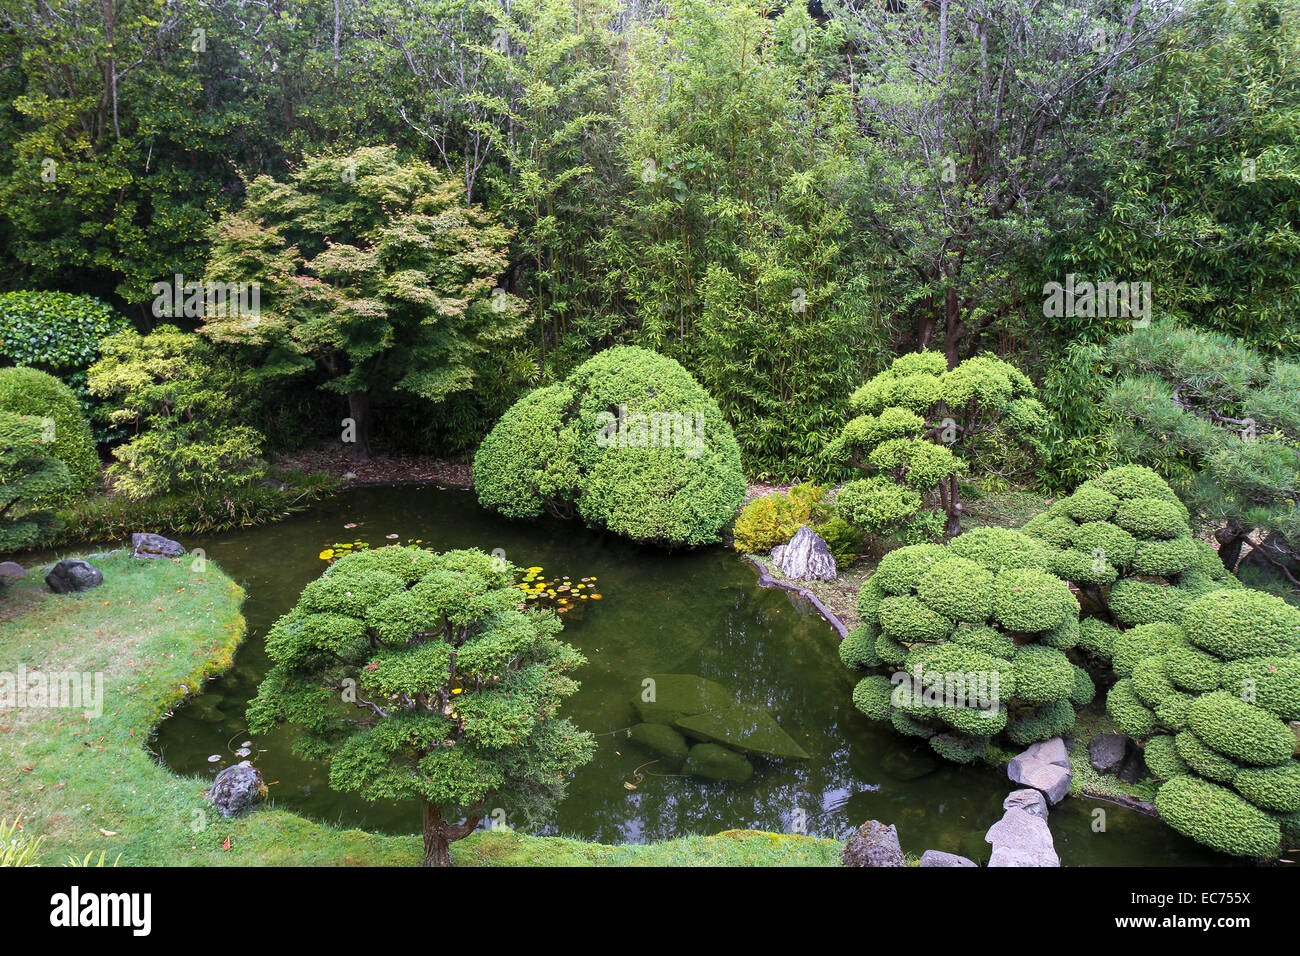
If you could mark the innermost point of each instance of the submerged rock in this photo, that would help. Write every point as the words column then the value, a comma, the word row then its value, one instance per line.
column 874, row 844
column 237, row 789
column 664, row 742
column 750, row 730
column 805, row 558
column 680, row 695
column 73, row 574
column 145, row 545
column 717, row 763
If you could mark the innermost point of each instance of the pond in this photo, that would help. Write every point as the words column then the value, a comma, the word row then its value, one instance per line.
column 698, row 613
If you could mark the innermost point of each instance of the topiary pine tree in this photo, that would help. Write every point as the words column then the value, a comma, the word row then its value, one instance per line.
column 418, row 676
column 1221, row 423
column 1212, row 696
column 919, row 428
column 372, row 268
column 978, row 635
column 27, row 474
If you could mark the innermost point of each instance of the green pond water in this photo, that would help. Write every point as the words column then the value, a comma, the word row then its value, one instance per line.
column 699, row 613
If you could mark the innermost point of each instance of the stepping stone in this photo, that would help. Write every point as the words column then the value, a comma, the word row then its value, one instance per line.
column 939, row 858
column 1052, row 780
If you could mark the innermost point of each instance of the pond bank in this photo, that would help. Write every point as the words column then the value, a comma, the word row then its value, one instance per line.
column 156, row 630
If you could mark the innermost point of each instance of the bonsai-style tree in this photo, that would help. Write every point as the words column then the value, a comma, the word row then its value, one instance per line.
column 373, row 268
column 1222, row 424
column 1124, row 541
column 977, row 634
column 1212, row 695
column 417, row 676
column 919, row 427
column 629, row 442
column 28, row 473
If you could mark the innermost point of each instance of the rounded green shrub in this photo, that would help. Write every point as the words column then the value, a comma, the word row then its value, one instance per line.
column 1131, row 716
column 1097, row 637
column 877, row 504
column 1135, row 602
column 871, row 696
column 907, row 619
column 1239, row 730
column 1028, row 599
column 1218, row 818
column 1203, row 761
column 1191, row 669
column 869, row 597
column 959, row 748
column 858, row 648
column 1042, row 674
column 1151, row 518
column 890, row 651
column 1271, row 788
column 1064, row 636
column 988, row 640
column 629, row 442
column 29, row 391
column 909, row 727
column 999, row 549
column 1134, row 481
column 1084, row 689
column 1162, row 758
column 1090, row 503
column 1041, row 723
column 1103, row 539
column 1082, row 567
column 1269, row 682
column 1150, row 682
column 900, row 570
column 1239, row 623
column 1164, row 558
column 958, row 589
column 1146, row 640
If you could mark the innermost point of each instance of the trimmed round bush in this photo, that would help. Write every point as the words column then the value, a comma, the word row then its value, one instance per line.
column 1115, row 544
column 1203, row 761
column 1191, row 669
column 906, row 619
column 1131, row 716
column 988, row 640
column 1043, row 674
column 1090, row 503
column 858, row 648
column 630, row 442
column 1133, row 481
column 1097, row 637
column 1162, row 758
column 1271, row 788
column 1137, row 643
column 1028, row 599
column 900, row 570
column 959, row 748
column 958, row 589
column 910, row 727
column 28, row 391
column 869, row 597
column 890, row 651
column 1084, row 689
column 876, row 504
column 999, row 549
column 1239, row 730
column 1136, row 602
column 1151, row 518
column 1218, row 818
column 1064, row 636
column 1083, row 567
column 1240, row 623
column 1164, row 558
column 1042, row 723
column 1150, row 682
column 871, row 696
column 1269, row 682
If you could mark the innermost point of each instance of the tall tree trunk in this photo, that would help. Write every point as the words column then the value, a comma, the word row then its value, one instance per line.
column 359, row 412
column 437, row 848
column 953, row 329
column 953, row 526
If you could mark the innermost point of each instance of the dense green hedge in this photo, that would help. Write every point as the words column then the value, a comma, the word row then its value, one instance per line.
column 28, row 391
column 628, row 442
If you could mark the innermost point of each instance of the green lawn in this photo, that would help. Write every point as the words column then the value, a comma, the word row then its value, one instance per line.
column 155, row 630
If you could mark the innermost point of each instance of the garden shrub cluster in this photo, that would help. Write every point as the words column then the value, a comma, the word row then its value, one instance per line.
column 628, row 442
column 774, row 519
column 1124, row 540
column 58, row 333
column 67, row 436
column 28, row 476
column 984, row 608
column 918, row 428
column 1212, row 696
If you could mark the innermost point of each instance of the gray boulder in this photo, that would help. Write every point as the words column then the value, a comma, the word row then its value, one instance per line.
column 1106, row 752
column 1043, row 766
column 1049, row 751
column 1030, row 801
column 12, row 569
column 873, row 844
column 1134, row 767
column 73, row 574
column 939, row 858
column 237, row 789
column 144, row 545
column 1021, row 839
column 805, row 558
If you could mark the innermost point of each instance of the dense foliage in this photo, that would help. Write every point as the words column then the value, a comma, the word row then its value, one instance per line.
column 628, row 442
column 28, row 476
column 28, row 391
column 418, row 676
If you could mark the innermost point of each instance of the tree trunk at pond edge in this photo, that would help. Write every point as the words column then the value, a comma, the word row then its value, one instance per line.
column 953, row 329
column 1231, row 539
column 437, row 848
column 359, row 412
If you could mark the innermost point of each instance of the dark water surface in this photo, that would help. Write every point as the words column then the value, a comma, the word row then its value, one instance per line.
column 688, row 613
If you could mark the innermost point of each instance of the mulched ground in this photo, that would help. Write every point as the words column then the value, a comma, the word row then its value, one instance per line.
column 381, row 469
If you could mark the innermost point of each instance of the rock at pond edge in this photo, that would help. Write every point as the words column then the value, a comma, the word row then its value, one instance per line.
column 873, row 844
